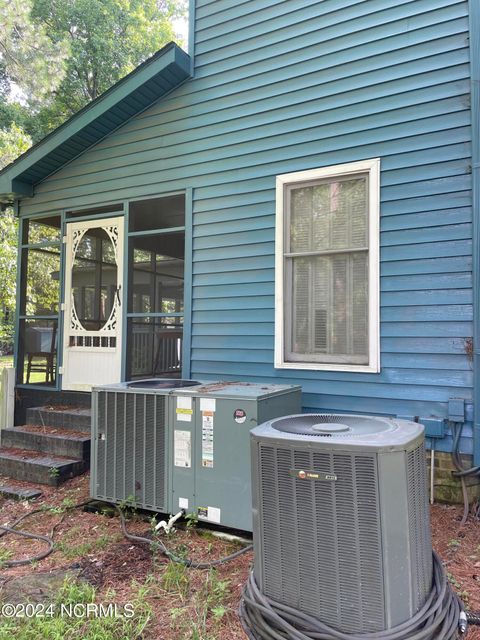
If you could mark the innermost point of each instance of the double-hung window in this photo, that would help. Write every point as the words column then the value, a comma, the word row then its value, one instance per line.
column 327, row 268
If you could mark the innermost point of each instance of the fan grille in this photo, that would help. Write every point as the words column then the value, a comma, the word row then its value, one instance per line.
column 321, row 541
column 419, row 521
column 328, row 425
column 131, row 453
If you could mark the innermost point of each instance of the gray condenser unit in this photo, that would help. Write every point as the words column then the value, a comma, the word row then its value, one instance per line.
column 130, row 442
column 210, row 461
column 341, row 520
column 171, row 445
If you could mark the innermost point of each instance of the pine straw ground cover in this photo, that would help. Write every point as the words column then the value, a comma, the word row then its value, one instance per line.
column 169, row 601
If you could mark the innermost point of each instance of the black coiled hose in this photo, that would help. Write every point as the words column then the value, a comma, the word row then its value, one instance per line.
column 473, row 618
column 48, row 540
column 438, row 619
column 192, row 564
column 461, row 472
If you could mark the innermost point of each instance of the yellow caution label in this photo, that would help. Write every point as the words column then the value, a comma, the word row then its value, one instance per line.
column 185, row 411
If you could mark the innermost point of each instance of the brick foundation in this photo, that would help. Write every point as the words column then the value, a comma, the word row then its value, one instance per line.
column 447, row 487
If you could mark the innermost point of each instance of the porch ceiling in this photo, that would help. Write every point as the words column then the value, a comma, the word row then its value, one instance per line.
column 158, row 75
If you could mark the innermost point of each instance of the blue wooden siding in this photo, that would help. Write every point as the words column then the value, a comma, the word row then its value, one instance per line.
column 292, row 85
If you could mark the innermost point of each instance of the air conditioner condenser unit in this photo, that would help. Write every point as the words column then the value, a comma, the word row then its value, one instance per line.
column 340, row 518
column 181, row 445
column 130, row 460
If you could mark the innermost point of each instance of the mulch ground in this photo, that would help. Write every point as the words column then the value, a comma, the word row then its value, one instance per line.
column 94, row 544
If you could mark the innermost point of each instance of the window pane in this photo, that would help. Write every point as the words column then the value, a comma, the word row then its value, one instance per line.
column 155, row 347
column 329, row 308
column 41, row 281
column 157, row 213
column 157, row 271
column 38, row 352
column 42, row 230
column 94, row 279
column 330, row 215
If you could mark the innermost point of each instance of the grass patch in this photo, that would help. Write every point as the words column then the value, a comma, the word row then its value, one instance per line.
column 203, row 622
column 105, row 539
column 130, row 625
column 176, row 579
column 36, row 377
column 453, row 543
column 71, row 548
column 6, row 361
column 5, row 554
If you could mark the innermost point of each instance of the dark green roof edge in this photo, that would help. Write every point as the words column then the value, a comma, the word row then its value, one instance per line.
column 170, row 64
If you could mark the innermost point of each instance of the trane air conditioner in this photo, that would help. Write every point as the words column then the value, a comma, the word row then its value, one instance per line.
column 341, row 521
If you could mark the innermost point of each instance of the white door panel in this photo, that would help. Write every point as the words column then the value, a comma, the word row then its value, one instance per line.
column 93, row 298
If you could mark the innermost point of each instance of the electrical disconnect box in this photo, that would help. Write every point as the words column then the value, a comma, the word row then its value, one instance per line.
column 168, row 445
column 210, row 466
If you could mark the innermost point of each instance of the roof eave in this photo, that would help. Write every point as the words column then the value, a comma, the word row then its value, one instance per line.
column 171, row 62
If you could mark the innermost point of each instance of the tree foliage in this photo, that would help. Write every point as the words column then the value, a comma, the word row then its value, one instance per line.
column 107, row 40
column 58, row 55
column 28, row 56
column 55, row 57
column 8, row 258
column 13, row 142
column 42, row 292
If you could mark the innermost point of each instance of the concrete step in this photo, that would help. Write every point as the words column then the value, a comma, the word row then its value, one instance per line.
column 75, row 418
column 12, row 492
column 38, row 467
column 51, row 440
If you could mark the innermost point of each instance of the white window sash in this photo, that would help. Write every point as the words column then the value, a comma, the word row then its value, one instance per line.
column 372, row 167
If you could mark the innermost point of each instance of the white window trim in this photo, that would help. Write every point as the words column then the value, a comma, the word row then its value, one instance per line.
column 372, row 167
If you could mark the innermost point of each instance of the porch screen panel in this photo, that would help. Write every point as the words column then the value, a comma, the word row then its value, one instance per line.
column 39, row 301
column 156, row 287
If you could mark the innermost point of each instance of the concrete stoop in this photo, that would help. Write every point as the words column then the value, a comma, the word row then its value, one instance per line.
column 74, row 418
column 52, row 447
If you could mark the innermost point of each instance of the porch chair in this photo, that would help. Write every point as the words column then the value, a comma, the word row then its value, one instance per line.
column 46, row 364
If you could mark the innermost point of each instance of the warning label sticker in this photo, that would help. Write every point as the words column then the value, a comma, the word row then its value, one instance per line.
column 182, row 445
column 184, row 415
column 207, row 404
column 207, row 439
column 184, row 409
column 212, row 514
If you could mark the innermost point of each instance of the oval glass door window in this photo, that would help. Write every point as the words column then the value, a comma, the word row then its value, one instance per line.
column 94, row 279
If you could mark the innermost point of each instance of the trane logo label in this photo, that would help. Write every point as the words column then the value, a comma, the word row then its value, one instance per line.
column 302, row 474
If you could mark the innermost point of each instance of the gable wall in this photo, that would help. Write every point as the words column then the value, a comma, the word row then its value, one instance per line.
column 293, row 85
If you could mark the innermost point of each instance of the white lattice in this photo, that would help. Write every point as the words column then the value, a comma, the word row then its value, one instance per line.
column 75, row 324
column 77, row 236
column 110, row 326
column 112, row 232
